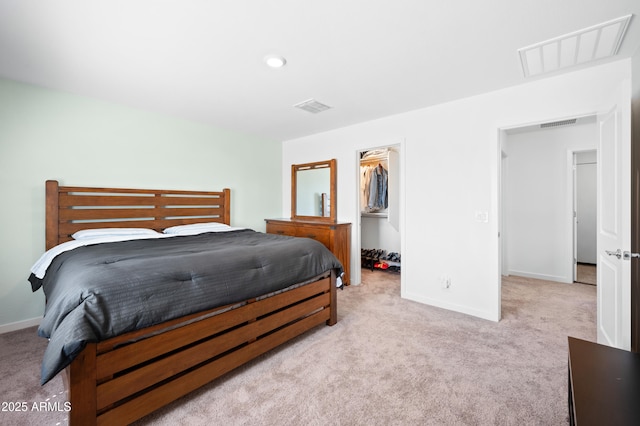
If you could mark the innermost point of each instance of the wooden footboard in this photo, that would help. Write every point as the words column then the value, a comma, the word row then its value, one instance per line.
column 115, row 382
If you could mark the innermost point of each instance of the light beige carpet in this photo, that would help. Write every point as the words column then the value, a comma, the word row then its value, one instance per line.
column 388, row 361
column 586, row 274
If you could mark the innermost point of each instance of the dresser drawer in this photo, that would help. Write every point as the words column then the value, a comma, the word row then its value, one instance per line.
column 281, row 229
column 334, row 236
column 322, row 235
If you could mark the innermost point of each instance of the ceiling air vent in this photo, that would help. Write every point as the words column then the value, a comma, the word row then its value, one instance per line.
column 312, row 106
column 586, row 45
column 558, row 123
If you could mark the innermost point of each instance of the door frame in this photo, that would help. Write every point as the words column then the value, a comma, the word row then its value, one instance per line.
column 635, row 223
column 357, row 225
column 574, row 177
column 502, row 176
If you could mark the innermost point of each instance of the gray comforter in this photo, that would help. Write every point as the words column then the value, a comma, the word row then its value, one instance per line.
column 103, row 290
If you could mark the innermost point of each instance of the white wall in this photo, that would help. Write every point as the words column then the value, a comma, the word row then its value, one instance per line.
column 79, row 141
column 538, row 199
column 450, row 156
column 377, row 232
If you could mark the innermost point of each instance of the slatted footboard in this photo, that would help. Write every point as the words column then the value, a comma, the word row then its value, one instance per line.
column 112, row 383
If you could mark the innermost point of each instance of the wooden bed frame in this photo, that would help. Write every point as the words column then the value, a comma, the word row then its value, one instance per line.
column 122, row 379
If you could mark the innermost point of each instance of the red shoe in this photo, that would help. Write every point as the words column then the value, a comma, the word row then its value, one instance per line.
column 381, row 265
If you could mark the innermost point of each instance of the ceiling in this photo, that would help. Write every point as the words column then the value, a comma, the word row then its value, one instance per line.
column 202, row 60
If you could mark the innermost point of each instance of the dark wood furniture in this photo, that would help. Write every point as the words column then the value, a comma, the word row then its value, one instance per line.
column 335, row 236
column 604, row 385
column 122, row 379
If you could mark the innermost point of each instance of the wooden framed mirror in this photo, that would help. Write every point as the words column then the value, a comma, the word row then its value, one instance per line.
column 313, row 191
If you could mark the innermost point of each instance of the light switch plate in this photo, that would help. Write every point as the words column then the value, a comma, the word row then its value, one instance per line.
column 482, row 216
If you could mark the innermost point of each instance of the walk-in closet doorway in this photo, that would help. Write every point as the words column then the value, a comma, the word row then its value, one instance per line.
column 379, row 206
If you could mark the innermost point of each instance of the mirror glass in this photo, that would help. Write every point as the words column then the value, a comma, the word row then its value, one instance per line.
column 313, row 186
column 313, row 191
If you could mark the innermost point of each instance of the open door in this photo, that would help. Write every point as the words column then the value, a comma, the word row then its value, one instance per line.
column 614, row 223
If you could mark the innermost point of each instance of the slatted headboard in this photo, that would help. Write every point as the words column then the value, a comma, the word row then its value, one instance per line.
column 72, row 208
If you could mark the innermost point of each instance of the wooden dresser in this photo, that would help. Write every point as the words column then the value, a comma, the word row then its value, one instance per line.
column 604, row 385
column 336, row 236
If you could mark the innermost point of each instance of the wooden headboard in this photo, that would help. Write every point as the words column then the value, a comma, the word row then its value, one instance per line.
column 72, row 208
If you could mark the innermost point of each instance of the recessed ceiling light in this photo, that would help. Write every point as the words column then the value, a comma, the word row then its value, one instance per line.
column 275, row 61
column 586, row 45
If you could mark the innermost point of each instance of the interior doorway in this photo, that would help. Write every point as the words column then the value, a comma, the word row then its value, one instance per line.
column 538, row 206
column 585, row 216
column 536, row 197
column 379, row 207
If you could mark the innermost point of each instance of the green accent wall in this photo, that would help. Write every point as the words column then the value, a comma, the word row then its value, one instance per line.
column 46, row 134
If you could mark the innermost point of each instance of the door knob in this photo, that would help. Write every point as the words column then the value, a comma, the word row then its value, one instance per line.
column 617, row 253
column 626, row 255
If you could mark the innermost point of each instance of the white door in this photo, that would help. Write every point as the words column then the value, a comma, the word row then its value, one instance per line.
column 614, row 223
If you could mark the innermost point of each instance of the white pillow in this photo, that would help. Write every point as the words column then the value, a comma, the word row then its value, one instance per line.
column 86, row 234
column 197, row 228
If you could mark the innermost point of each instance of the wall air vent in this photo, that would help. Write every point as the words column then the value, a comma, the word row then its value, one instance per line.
column 577, row 48
column 312, row 106
column 558, row 123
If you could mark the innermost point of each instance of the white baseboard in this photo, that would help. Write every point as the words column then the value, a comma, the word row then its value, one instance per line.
column 540, row 276
column 451, row 306
column 14, row 326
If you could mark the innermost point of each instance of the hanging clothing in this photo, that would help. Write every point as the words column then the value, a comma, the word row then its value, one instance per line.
column 365, row 182
column 374, row 188
column 378, row 198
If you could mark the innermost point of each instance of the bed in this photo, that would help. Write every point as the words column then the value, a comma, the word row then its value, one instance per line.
column 124, row 377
